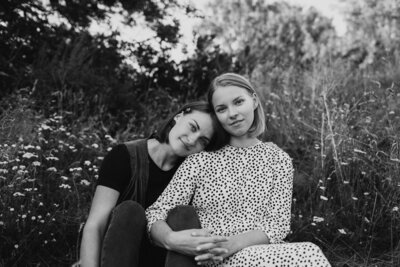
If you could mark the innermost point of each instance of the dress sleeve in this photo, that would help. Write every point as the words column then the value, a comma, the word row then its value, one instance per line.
column 276, row 222
column 178, row 192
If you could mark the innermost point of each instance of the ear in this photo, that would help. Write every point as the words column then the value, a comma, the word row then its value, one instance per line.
column 256, row 102
column 178, row 116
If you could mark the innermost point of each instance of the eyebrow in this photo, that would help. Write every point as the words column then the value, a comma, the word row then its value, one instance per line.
column 222, row 105
column 198, row 127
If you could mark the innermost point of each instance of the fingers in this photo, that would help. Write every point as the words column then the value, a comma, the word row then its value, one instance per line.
column 206, row 258
column 209, row 246
column 201, row 232
column 218, row 251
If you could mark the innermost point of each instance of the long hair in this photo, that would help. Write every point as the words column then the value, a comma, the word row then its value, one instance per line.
column 233, row 79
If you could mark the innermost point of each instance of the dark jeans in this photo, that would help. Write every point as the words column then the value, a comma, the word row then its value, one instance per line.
column 126, row 242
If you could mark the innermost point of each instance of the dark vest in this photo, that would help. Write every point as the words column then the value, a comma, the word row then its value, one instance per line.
column 139, row 160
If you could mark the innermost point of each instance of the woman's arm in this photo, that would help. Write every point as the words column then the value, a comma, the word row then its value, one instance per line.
column 188, row 242
column 178, row 192
column 276, row 221
column 104, row 201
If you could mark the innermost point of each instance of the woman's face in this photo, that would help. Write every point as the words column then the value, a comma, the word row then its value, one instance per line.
column 234, row 107
column 191, row 133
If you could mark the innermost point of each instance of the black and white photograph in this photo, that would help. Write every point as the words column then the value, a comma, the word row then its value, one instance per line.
column 183, row 133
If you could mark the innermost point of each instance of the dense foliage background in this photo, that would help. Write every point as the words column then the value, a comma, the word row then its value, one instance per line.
column 332, row 102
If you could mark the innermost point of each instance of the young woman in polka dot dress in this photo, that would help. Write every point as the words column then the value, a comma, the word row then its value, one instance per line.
column 242, row 191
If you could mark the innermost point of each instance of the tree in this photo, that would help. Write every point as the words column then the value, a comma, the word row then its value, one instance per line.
column 270, row 33
column 373, row 31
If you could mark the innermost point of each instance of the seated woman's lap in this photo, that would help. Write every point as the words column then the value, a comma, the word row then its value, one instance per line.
column 285, row 254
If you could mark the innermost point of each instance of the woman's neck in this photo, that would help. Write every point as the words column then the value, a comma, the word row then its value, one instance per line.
column 161, row 154
column 243, row 141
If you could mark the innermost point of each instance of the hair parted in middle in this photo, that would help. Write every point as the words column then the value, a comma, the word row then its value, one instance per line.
column 233, row 79
column 218, row 139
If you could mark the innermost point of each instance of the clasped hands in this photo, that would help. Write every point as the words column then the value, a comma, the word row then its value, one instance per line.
column 201, row 244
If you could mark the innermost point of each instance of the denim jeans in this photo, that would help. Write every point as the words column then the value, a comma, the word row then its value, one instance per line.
column 126, row 242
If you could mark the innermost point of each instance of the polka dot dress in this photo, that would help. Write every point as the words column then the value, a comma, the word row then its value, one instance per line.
column 236, row 190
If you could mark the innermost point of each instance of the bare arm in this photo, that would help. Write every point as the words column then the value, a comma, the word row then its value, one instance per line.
column 104, row 201
column 188, row 242
column 234, row 244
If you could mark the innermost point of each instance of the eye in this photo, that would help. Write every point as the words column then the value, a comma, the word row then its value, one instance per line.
column 220, row 109
column 192, row 127
column 239, row 101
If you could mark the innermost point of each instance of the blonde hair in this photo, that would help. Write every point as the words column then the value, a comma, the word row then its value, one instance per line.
column 233, row 79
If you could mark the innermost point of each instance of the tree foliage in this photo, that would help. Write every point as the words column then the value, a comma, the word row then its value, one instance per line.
column 270, row 33
column 373, row 31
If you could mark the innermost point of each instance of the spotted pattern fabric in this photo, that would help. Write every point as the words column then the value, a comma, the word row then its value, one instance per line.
column 235, row 190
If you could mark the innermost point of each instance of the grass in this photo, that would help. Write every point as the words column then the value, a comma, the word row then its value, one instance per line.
column 341, row 127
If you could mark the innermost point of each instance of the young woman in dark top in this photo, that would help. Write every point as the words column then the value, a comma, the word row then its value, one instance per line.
column 131, row 178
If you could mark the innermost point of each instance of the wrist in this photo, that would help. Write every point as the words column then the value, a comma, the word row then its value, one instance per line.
column 169, row 240
column 236, row 243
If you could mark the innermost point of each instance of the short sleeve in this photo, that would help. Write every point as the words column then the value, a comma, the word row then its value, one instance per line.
column 115, row 170
column 178, row 192
column 276, row 222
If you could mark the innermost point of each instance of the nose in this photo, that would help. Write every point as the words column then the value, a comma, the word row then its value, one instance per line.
column 192, row 139
column 232, row 112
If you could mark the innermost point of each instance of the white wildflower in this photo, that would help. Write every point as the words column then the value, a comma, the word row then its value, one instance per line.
column 395, row 209
column 85, row 182
column 36, row 163
column 323, row 198
column 52, row 169
column 65, row 186
column 28, row 155
column 45, row 127
column 318, row 219
column 342, row 231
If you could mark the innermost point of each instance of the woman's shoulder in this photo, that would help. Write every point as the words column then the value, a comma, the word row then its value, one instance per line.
column 275, row 150
column 206, row 155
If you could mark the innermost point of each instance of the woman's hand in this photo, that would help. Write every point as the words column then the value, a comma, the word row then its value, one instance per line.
column 233, row 245
column 218, row 254
column 195, row 242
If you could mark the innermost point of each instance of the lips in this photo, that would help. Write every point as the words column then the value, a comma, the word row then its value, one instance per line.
column 235, row 123
column 184, row 144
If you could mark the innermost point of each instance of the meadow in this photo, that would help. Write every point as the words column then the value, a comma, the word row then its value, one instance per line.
column 333, row 104
column 344, row 144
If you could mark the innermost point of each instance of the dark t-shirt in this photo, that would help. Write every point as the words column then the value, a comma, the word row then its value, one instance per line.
column 115, row 172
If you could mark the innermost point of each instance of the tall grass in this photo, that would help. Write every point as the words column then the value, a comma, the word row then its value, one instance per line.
column 341, row 126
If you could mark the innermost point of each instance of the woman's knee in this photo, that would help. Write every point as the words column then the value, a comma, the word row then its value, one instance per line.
column 183, row 217
column 129, row 213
